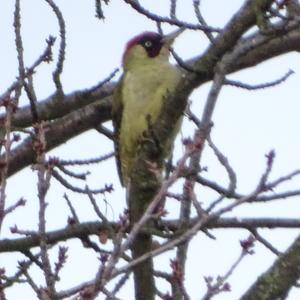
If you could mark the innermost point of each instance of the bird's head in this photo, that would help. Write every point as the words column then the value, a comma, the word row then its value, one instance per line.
column 148, row 47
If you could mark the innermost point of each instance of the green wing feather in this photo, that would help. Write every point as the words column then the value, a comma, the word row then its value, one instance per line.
column 117, row 112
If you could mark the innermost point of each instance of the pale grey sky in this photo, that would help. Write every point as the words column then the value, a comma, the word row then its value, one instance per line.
column 246, row 126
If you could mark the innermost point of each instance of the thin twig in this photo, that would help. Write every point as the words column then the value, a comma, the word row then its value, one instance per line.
column 221, row 285
column 28, row 87
column 81, row 176
column 173, row 6
column 74, row 162
column 105, row 131
column 263, row 241
column 43, row 185
column 201, row 20
column 62, row 47
column 231, row 174
column 97, row 210
column 13, row 207
column 19, row 45
column 6, row 160
column 65, row 183
column 46, row 56
column 33, row 258
column 224, row 191
column 24, row 270
column 135, row 5
column 99, row 11
column 120, row 283
column 85, row 239
column 251, row 87
column 101, row 83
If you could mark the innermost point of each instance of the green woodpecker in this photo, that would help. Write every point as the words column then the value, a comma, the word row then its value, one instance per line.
column 148, row 77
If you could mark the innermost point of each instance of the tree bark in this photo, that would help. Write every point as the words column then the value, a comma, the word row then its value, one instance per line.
column 277, row 281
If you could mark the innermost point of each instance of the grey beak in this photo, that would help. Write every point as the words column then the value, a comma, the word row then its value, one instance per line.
column 170, row 38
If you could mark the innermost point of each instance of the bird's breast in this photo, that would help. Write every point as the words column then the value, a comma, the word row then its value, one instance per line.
column 144, row 90
column 143, row 93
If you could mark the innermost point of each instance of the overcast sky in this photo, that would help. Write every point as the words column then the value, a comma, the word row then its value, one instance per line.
column 247, row 125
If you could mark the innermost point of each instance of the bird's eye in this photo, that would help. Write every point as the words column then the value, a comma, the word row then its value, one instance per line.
column 148, row 44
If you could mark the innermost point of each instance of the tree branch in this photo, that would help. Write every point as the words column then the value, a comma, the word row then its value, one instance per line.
column 61, row 130
column 277, row 281
column 93, row 228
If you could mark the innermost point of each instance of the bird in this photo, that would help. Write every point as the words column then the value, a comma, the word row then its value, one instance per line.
column 148, row 77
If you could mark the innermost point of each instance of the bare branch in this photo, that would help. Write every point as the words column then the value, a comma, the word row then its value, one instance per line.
column 283, row 274
column 93, row 228
column 201, row 20
column 65, row 183
column 263, row 241
column 231, row 174
column 79, row 162
column 62, row 47
column 68, row 126
column 173, row 6
column 259, row 86
column 135, row 5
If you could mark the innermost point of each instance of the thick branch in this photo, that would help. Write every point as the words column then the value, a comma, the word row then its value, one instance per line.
column 276, row 282
column 285, row 42
column 54, row 107
column 61, row 130
column 94, row 228
column 74, row 231
column 244, row 19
